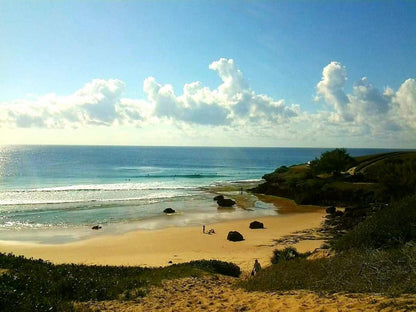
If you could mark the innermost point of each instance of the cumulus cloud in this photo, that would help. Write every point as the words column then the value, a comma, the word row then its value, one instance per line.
column 232, row 102
column 331, row 88
column 99, row 102
column 232, row 107
column 404, row 102
column 367, row 110
column 94, row 104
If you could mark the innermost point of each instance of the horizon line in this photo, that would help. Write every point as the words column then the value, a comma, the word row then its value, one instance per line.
column 207, row 146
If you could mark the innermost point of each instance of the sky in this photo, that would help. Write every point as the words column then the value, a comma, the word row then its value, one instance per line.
column 208, row 73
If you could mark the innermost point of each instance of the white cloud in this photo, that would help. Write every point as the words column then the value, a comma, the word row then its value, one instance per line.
column 405, row 104
column 232, row 110
column 94, row 104
column 99, row 102
column 331, row 88
column 232, row 102
column 367, row 111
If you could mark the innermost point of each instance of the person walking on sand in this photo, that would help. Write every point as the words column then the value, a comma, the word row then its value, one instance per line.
column 256, row 268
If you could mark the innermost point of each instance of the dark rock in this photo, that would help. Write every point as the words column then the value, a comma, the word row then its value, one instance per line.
column 256, row 225
column 331, row 210
column 225, row 202
column 219, row 197
column 96, row 227
column 169, row 210
column 234, row 236
column 170, row 261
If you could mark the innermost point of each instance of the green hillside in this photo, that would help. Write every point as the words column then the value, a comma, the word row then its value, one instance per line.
column 337, row 179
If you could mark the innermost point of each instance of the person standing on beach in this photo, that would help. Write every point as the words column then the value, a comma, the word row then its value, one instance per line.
column 256, row 267
column 203, row 228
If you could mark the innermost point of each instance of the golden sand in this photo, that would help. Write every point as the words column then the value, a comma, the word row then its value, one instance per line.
column 218, row 294
column 180, row 244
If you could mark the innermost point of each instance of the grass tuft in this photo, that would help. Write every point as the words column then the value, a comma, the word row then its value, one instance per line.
column 391, row 272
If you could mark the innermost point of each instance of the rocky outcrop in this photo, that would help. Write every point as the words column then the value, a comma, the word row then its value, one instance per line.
column 96, row 227
column 225, row 202
column 235, row 236
column 256, row 225
column 169, row 210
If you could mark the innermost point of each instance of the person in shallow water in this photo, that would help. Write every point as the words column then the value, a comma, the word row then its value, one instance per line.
column 256, row 267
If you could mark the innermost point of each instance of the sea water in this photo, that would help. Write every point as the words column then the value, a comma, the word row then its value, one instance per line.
column 55, row 194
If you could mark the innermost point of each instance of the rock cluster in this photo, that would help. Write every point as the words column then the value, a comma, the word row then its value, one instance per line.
column 224, row 202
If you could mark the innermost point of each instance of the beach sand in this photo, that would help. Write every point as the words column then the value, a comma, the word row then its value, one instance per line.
column 217, row 293
column 210, row 293
column 152, row 248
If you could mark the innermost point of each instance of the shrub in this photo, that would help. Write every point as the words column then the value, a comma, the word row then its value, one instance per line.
column 333, row 161
column 281, row 169
column 391, row 272
column 216, row 266
column 392, row 226
column 398, row 177
column 288, row 253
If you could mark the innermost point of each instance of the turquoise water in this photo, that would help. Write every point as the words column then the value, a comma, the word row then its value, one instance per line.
column 55, row 193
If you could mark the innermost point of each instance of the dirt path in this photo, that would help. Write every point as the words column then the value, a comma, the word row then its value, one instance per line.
column 216, row 293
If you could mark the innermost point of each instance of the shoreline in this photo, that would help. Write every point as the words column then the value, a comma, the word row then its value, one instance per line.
column 192, row 211
column 150, row 248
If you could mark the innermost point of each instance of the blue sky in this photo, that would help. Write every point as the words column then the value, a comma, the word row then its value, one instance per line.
column 74, row 72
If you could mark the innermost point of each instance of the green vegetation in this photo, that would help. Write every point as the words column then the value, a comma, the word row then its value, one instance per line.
column 375, row 243
column 36, row 285
column 288, row 253
column 390, row 227
column 338, row 179
column 333, row 162
column 377, row 255
column 398, row 176
column 390, row 272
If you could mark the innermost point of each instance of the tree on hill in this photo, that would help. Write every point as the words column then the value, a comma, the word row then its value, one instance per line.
column 333, row 161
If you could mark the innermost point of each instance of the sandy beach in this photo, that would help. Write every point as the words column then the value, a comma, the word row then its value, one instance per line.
column 162, row 247
column 179, row 244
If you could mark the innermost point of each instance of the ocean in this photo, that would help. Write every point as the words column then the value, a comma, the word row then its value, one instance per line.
column 55, row 194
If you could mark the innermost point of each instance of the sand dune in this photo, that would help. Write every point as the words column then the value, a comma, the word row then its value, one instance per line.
column 217, row 294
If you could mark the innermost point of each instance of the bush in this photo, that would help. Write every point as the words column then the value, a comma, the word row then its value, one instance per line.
column 216, row 266
column 398, row 177
column 333, row 162
column 289, row 253
column 390, row 227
